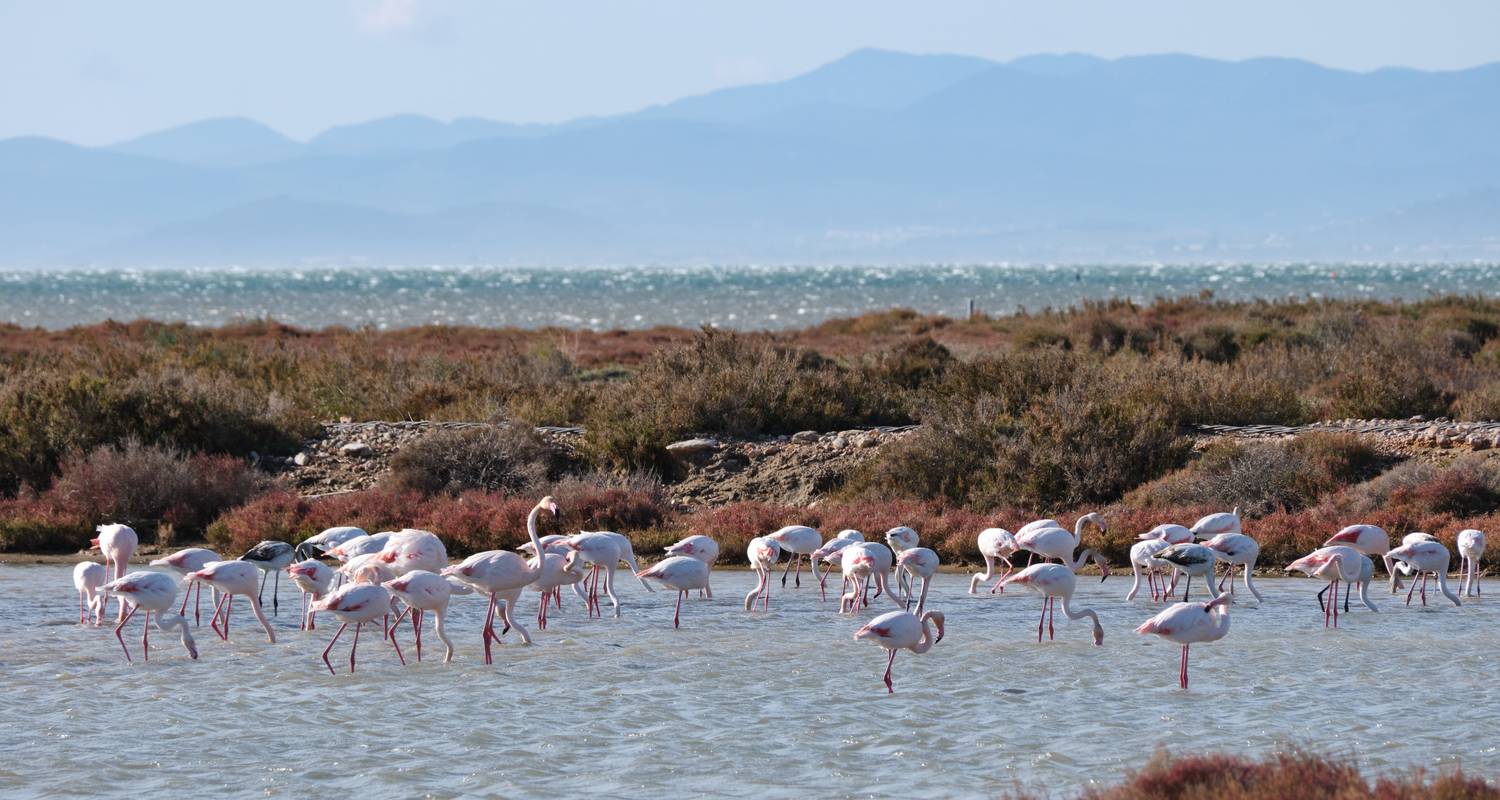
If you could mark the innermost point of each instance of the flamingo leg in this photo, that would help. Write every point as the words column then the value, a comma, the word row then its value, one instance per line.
column 890, row 662
column 261, row 595
column 393, row 644
column 1347, row 586
column 182, row 611
column 198, row 605
column 541, row 612
column 80, row 608
column 355, row 648
column 1051, row 617
column 1411, row 589
column 331, row 642
column 489, row 629
column 1328, row 607
column 416, row 625
column 1321, row 593
column 146, row 638
column 677, row 615
column 822, row 577
column 1187, row 587
column 788, row 570
column 1182, row 674
column 121, row 627
column 1424, row 590
column 1042, row 621
column 797, row 576
column 213, row 621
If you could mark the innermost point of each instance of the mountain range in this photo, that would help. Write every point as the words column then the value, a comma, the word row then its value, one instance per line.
column 877, row 157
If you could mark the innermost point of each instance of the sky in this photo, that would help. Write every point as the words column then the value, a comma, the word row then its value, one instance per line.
column 100, row 72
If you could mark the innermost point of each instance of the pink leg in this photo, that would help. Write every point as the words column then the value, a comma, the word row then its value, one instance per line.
column 182, row 611
column 541, row 612
column 1051, row 617
column 393, row 644
column 677, row 615
column 1041, row 621
column 1424, row 590
column 213, row 621
column 228, row 607
column 1328, row 608
column 81, row 615
column 1182, row 673
column 1413, row 588
column 121, row 627
column 1334, row 602
column 489, row 629
column 146, row 638
column 889, row 662
column 416, row 625
column 336, row 635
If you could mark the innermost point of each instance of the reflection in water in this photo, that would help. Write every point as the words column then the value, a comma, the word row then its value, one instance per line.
column 734, row 703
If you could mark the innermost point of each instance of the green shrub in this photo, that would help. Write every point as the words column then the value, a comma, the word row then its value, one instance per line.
column 505, row 457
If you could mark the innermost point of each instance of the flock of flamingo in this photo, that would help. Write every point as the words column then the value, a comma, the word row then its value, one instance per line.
column 407, row 572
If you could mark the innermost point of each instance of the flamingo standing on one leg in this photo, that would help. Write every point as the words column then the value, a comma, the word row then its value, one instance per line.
column 827, row 556
column 502, row 575
column 154, row 593
column 231, row 578
column 270, row 556
column 88, row 576
column 424, row 591
column 1188, row 624
column 901, row 630
column 1334, row 564
column 918, row 562
column 118, row 544
column 763, row 553
column 796, row 541
column 703, row 548
column 314, row 578
column 1053, row 581
column 995, row 544
column 358, row 603
column 681, row 573
column 1424, row 556
column 182, row 562
column 1471, row 550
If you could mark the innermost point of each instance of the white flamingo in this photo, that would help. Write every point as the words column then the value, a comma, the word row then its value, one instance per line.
column 1053, row 581
column 900, row 630
column 918, row 562
column 1471, row 550
column 995, row 544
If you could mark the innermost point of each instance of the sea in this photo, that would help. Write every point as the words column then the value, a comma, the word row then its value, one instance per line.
column 746, row 297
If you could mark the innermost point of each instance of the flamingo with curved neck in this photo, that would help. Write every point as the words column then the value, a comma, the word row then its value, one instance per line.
column 1053, row 581
column 902, row 630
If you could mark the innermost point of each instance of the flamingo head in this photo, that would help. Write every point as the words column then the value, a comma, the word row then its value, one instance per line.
column 937, row 622
column 548, row 504
column 1309, row 563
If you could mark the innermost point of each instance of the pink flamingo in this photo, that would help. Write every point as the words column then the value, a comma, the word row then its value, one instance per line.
column 901, row 630
column 797, row 541
column 1188, row 624
column 358, row 603
column 231, row 578
column 1143, row 559
column 411, row 549
column 503, row 575
column 703, row 548
column 118, row 544
column 900, row 539
column 153, row 592
column 1048, row 539
column 918, row 562
column 828, row 556
column 1237, row 550
column 1334, row 564
column 681, row 573
column 1169, row 533
column 1053, row 581
column 862, row 563
column 1424, row 556
column 1471, row 550
column 182, row 562
column 88, row 576
column 1214, row 524
column 314, row 578
column 560, row 570
column 421, row 591
column 763, row 553
column 995, row 544
column 1372, row 540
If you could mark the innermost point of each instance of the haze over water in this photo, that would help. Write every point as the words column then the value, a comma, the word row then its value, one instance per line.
column 743, row 297
column 782, row 704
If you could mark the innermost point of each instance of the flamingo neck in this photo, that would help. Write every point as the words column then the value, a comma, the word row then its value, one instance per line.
column 1080, row 613
column 928, row 640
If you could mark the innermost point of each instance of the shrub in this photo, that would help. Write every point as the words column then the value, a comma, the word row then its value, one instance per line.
column 501, row 458
column 34, row 525
column 277, row 515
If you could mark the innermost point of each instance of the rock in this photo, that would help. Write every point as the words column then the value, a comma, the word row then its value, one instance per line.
column 692, row 446
column 357, row 450
column 301, row 459
column 1479, row 443
column 840, row 443
column 805, row 437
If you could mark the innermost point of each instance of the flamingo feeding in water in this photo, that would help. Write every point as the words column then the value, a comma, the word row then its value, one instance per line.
column 358, row 603
column 1424, row 556
column 88, row 576
column 995, row 544
column 118, row 544
column 154, row 593
column 902, row 630
column 1143, row 559
column 1471, row 550
column 231, row 578
column 1236, row 550
column 315, row 546
column 1372, row 540
column 918, row 562
column 703, row 548
column 763, row 553
column 1054, row 541
column 1169, row 533
column 1053, row 581
column 797, row 541
column 827, row 555
column 1214, row 524
column 863, row 563
column 1192, row 560
column 1334, row 564
column 411, row 549
column 422, row 590
column 182, row 562
column 502, row 575
column 268, row 557
column 680, row 573
column 1188, row 624
column 314, row 578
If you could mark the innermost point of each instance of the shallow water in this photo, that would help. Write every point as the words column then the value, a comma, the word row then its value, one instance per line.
column 736, row 704
column 743, row 297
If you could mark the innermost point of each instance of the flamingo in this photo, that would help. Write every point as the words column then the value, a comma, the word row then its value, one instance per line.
column 827, row 556
column 268, row 557
column 861, row 562
column 763, row 553
column 231, row 578
column 359, row 545
column 559, row 571
column 1143, row 558
column 1214, row 524
column 1372, row 540
column 1169, row 533
column 502, row 575
column 155, row 593
column 703, row 548
column 901, row 630
column 411, row 549
column 898, row 539
column 919, row 562
column 1237, row 549
column 627, row 555
column 1421, row 555
column 1471, row 550
column 315, row 545
column 995, row 544
column 1055, row 541
column 118, row 544
column 796, row 541
column 601, row 552
column 681, row 573
column 358, row 603
column 1188, row 624
column 1334, row 563
column 314, row 578
column 1052, row 581
column 88, row 576
column 182, row 562
column 422, row 590
column 1191, row 560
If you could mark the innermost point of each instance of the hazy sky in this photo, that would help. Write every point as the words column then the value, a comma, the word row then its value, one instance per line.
column 96, row 72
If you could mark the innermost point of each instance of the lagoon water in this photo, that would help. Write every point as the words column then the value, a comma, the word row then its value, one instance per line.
column 783, row 703
column 742, row 297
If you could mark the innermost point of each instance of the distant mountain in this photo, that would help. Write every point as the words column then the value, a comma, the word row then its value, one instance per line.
column 223, row 142
column 879, row 156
